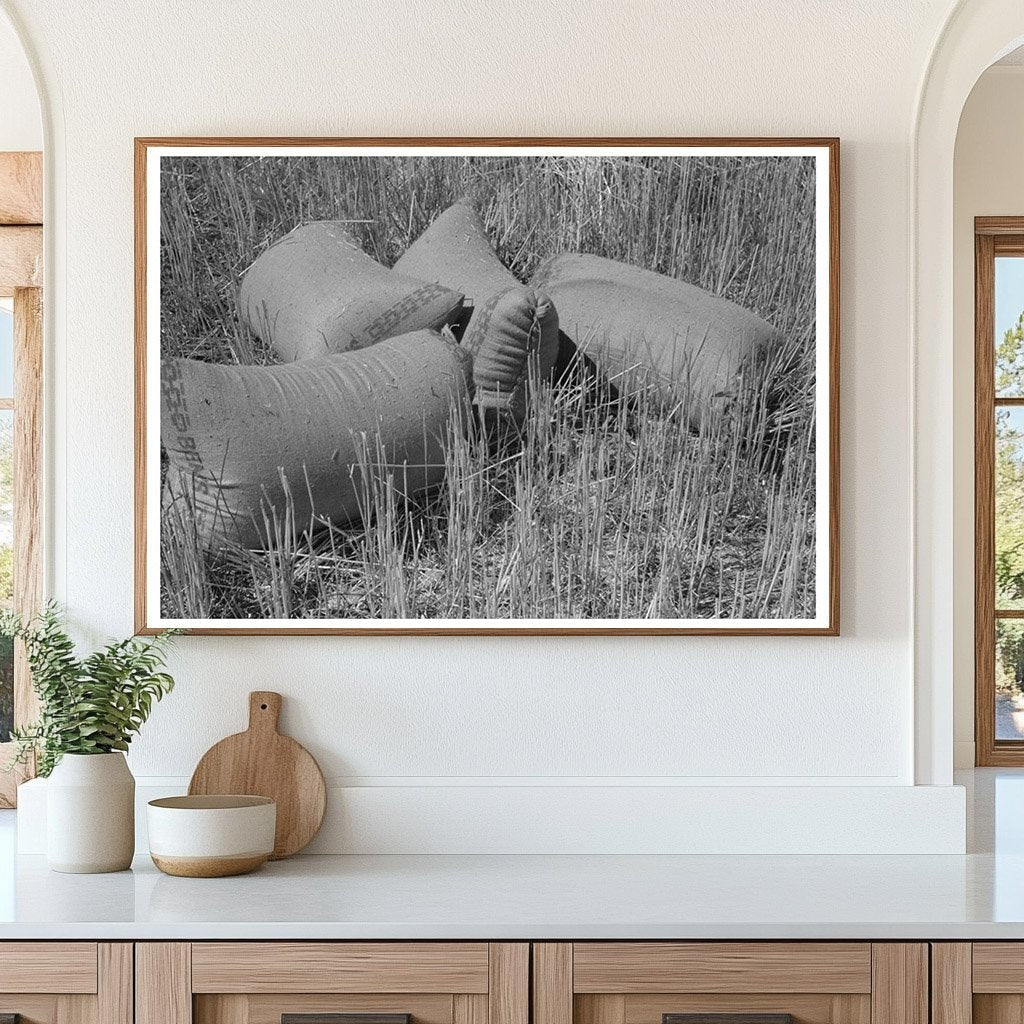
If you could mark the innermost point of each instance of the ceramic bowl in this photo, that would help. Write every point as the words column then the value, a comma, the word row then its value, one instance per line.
column 211, row 836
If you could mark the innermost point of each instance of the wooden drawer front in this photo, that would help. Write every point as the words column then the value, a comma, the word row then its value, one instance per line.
column 721, row 967
column 67, row 982
column 812, row 982
column 998, row 967
column 981, row 983
column 257, row 982
column 54, row 967
column 977, row 983
column 309, row 967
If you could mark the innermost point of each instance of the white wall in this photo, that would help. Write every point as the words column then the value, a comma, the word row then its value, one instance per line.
column 440, row 712
column 20, row 124
column 987, row 181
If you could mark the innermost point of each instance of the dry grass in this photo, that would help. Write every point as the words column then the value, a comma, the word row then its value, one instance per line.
column 587, row 514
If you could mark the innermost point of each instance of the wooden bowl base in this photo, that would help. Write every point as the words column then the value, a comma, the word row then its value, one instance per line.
column 209, row 867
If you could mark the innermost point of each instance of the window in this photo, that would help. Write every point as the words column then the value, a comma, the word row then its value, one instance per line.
column 6, row 510
column 20, row 500
column 21, row 364
column 999, row 490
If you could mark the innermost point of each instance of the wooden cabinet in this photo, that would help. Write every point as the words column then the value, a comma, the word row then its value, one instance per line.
column 494, row 983
column 66, row 982
column 263, row 982
column 978, row 983
column 755, row 982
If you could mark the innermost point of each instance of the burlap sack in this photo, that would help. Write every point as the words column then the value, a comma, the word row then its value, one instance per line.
column 517, row 327
column 651, row 333
column 232, row 432
column 456, row 252
column 316, row 292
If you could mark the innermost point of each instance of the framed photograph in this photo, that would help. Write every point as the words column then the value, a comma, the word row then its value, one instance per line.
column 493, row 386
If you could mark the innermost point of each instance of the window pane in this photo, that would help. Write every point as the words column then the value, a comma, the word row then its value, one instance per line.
column 1009, row 679
column 6, row 567
column 6, row 352
column 1009, row 323
column 1009, row 539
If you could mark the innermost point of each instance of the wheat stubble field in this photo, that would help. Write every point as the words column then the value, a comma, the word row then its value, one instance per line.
column 594, row 512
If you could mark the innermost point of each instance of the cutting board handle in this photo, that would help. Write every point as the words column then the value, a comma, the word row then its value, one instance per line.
column 264, row 710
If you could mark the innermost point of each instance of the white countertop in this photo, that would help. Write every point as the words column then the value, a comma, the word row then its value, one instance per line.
column 495, row 897
column 980, row 895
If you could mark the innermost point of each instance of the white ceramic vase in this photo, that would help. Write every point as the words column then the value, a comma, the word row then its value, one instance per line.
column 90, row 814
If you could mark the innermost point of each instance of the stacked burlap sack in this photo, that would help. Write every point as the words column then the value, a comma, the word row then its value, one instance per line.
column 377, row 365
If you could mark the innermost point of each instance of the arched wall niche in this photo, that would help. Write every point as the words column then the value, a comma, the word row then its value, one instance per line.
column 974, row 36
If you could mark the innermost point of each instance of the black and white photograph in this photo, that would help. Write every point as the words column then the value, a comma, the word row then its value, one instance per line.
column 456, row 386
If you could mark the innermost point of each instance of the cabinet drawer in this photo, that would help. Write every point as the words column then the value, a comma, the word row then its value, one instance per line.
column 340, row 967
column 730, row 983
column 64, row 967
column 332, row 983
column 66, row 982
column 998, row 967
column 981, row 982
column 749, row 967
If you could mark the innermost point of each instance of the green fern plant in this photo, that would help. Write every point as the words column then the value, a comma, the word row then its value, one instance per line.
column 90, row 705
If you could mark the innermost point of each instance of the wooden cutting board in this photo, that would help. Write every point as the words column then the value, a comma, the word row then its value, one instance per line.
column 262, row 762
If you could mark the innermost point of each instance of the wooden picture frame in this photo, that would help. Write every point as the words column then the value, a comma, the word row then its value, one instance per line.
column 824, row 621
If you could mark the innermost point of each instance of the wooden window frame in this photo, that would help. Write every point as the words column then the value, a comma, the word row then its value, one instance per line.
column 993, row 237
column 21, row 278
